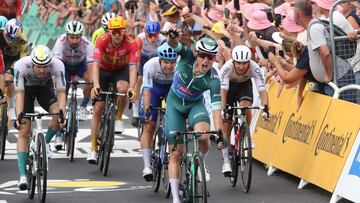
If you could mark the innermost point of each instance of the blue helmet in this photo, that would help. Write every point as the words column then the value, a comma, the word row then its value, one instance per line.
column 165, row 52
column 3, row 21
column 152, row 27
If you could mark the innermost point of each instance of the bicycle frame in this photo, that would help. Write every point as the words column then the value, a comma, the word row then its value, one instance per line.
column 37, row 130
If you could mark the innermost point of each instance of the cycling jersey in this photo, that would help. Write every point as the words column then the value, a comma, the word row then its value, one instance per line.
column 153, row 75
column 148, row 50
column 111, row 58
column 26, row 76
column 70, row 56
column 14, row 50
column 2, row 67
column 98, row 33
column 227, row 74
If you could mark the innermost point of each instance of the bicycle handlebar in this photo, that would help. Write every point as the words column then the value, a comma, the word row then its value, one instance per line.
column 220, row 137
column 75, row 82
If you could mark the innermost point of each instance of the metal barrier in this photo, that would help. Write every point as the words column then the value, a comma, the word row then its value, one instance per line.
column 346, row 86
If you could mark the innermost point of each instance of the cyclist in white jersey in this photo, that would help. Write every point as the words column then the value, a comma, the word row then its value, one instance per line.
column 148, row 42
column 236, row 86
column 157, row 80
column 34, row 80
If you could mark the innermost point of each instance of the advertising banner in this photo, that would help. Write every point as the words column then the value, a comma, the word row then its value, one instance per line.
column 349, row 182
column 298, row 133
column 266, row 133
column 332, row 145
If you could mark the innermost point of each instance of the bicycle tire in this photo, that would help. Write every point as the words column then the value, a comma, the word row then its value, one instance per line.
column 100, row 157
column 199, row 190
column 3, row 130
column 109, row 141
column 165, row 175
column 72, row 134
column 245, row 152
column 234, row 158
column 156, row 159
column 31, row 178
column 41, row 173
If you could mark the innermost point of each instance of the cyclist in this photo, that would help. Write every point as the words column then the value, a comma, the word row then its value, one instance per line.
column 34, row 80
column 236, row 86
column 14, row 46
column 115, row 56
column 194, row 75
column 147, row 42
column 158, row 77
column 101, row 31
column 77, row 54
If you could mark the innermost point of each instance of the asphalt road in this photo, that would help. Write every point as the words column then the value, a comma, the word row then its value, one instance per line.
column 81, row 182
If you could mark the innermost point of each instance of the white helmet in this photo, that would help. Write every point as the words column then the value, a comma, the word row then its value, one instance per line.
column 74, row 28
column 106, row 17
column 207, row 45
column 241, row 53
column 41, row 55
column 13, row 28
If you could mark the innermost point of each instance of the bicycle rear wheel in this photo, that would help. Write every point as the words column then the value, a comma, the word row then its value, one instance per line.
column 109, row 140
column 199, row 190
column 156, row 159
column 3, row 130
column 234, row 156
column 41, row 173
column 72, row 134
column 245, row 153
column 30, row 178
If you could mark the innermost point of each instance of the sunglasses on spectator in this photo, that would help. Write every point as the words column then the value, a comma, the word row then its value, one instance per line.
column 156, row 35
column 203, row 56
column 117, row 31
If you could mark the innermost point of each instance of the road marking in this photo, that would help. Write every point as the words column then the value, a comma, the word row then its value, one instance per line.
column 82, row 184
column 3, row 201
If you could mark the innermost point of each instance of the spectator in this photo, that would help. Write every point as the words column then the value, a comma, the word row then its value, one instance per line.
column 172, row 16
column 11, row 9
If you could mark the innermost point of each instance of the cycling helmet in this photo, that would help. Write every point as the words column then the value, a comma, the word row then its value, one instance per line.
column 165, row 52
column 152, row 27
column 3, row 21
column 74, row 28
column 117, row 23
column 41, row 55
column 13, row 28
column 106, row 17
column 207, row 45
column 241, row 53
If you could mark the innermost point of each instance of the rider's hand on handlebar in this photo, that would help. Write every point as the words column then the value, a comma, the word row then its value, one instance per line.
column 132, row 95
column 61, row 119
column 95, row 92
column 18, row 121
column 266, row 113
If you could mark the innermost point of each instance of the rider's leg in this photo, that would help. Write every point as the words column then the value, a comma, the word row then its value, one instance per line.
column 95, row 122
column 146, row 148
column 175, row 170
column 22, row 146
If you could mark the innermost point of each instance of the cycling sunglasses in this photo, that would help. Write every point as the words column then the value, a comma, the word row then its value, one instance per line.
column 156, row 35
column 119, row 31
column 204, row 55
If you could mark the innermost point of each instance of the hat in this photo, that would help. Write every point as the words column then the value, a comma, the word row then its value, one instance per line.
column 249, row 9
column 218, row 27
column 231, row 6
column 283, row 9
column 277, row 38
column 289, row 23
column 259, row 21
column 215, row 15
column 169, row 9
column 325, row 4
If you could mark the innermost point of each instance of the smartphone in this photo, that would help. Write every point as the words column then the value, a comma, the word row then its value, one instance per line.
column 219, row 2
column 269, row 15
column 132, row 8
column 278, row 19
column 206, row 5
column 236, row 5
column 240, row 19
column 281, row 53
column 271, row 49
column 190, row 5
column 227, row 13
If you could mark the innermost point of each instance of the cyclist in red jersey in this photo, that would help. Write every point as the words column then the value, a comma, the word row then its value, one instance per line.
column 116, row 55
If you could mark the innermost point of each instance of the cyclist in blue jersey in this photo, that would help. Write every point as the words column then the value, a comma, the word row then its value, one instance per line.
column 157, row 80
column 194, row 75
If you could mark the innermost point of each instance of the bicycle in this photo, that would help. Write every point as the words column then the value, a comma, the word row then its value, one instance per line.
column 37, row 165
column 107, row 131
column 72, row 119
column 241, row 151
column 191, row 189
column 5, row 122
column 160, row 154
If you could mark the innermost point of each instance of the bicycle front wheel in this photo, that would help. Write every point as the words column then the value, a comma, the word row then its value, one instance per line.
column 156, row 160
column 234, row 156
column 30, row 178
column 198, row 185
column 3, row 130
column 245, row 158
column 41, row 173
column 109, row 140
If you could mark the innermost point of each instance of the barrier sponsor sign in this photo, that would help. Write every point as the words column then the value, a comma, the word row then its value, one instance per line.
column 349, row 182
column 332, row 145
column 298, row 133
column 266, row 133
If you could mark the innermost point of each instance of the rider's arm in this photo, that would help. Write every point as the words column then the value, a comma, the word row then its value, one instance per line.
column 19, row 87
column 147, row 83
column 60, row 83
column 98, row 54
column 58, row 48
column 133, row 59
column 225, row 71
column 89, row 51
column 214, row 87
column 260, row 82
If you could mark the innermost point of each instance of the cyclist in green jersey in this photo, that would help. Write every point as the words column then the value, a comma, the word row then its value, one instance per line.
column 194, row 75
